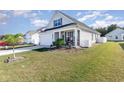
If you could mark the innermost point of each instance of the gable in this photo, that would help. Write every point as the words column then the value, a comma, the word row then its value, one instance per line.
column 66, row 20
column 57, row 15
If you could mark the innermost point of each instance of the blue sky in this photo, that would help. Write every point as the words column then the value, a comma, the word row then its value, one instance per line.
column 21, row 21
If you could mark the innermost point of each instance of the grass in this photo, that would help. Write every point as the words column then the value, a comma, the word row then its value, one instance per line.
column 103, row 62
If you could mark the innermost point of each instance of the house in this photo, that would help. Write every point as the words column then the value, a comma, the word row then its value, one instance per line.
column 27, row 37
column 35, row 38
column 21, row 40
column 66, row 27
column 115, row 35
column 32, row 37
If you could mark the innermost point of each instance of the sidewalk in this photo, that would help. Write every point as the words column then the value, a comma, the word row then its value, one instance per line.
column 6, row 52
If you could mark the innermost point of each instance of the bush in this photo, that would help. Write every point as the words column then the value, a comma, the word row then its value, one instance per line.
column 59, row 43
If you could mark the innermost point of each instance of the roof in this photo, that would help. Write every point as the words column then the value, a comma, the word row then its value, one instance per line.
column 31, row 32
column 76, row 22
column 41, row 29
column 60, row 26
column 80, row 23
column 117, row 29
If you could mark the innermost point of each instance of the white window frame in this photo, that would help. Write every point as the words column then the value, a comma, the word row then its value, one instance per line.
column 57, row 22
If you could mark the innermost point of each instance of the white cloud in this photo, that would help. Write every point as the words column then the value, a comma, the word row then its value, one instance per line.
column 3, row 18
column 39, row 22
column 99, row 23
column 34, row 17
column 4, row 23
column 105, row 19
column 108, row 20
column 120, row 23
column 34, row 14
column 79, row 14
column 109, row 17
column 105, row 23
column 92, row 15
column 21, row 12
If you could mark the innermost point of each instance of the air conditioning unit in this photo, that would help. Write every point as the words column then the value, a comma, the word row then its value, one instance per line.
column 86, row 43
column 101, row 40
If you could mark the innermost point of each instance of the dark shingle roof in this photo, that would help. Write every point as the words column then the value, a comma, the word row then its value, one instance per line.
column 60, row 26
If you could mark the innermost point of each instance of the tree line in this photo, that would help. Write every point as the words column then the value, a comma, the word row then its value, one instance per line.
column 105, row 30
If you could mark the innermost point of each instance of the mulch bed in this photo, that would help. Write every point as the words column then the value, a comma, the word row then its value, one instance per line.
column 10, row 60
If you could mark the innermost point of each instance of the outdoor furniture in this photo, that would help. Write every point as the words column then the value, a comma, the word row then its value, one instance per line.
column 69, row 43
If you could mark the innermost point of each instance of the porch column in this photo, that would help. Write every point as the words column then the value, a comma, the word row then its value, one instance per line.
column 75, row 34
column 59, row 34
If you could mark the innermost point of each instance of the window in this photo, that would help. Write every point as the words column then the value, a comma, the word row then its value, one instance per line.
column 123, row 37
column 62, row 35
column 57, row 22
column 56, row 35
column 116, row 37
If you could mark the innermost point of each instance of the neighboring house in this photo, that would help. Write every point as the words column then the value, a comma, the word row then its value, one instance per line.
column 32, row 37
column 28, row 36
column 21, row 40
column 66, row 27
column 35, row 38
column 115, row 35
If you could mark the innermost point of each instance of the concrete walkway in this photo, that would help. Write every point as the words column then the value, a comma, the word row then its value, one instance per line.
column 6, row 52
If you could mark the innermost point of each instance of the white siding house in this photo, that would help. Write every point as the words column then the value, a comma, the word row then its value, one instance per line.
column 35, row 38
column 32, row 37
column 115, row 35
column 27, row 37
column 66, row 27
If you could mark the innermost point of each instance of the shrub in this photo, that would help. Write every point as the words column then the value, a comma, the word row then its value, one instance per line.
column 59, row 43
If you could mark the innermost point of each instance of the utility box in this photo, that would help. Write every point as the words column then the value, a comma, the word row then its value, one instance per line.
column 86, row 43
column 101, row 40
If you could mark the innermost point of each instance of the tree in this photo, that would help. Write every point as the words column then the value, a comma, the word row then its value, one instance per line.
column 12, row 40
column 103, row 31
column 111, row 28
column 20, row 37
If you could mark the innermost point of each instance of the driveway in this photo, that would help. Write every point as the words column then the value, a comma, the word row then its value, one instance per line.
column 6, row 52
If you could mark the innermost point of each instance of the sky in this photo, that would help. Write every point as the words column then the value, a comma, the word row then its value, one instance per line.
column 21, row 21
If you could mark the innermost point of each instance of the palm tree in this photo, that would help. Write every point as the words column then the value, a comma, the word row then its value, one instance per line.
column 12, row 40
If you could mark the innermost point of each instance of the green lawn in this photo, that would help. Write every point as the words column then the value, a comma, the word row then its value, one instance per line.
column 103, row 62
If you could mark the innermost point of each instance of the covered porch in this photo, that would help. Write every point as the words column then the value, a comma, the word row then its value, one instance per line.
column 72, row 35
